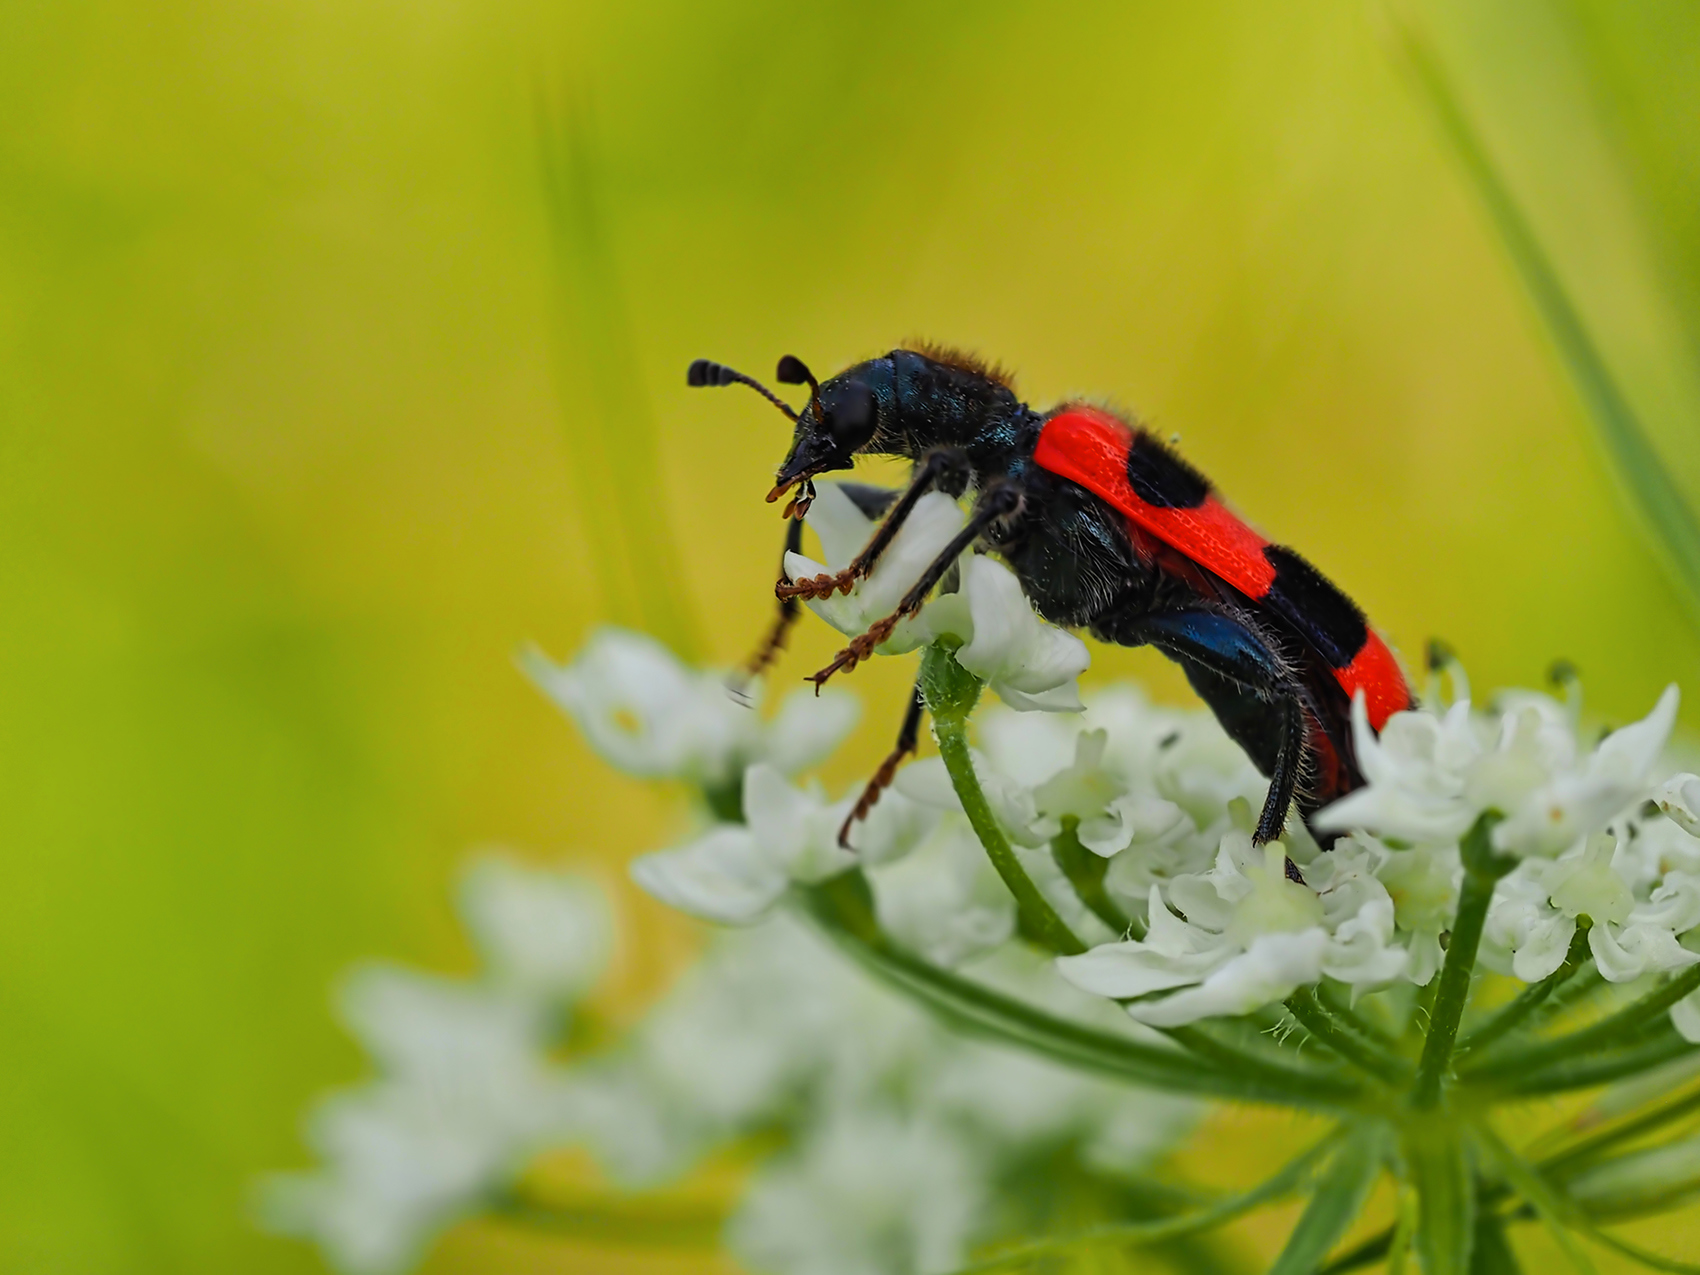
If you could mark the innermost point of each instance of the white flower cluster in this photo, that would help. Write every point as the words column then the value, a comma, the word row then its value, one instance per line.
column 1598, row 834
column 901, row 1138
column 1166, row 797
column 650, row 716
column 464, row 1095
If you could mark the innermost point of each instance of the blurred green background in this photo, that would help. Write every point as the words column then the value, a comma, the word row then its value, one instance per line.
column 342, row 350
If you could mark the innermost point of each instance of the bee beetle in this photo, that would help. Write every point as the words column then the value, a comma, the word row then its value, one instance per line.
column 1108, row 531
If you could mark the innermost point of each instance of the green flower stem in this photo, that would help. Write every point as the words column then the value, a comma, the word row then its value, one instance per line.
column 1532, row 997
column 1482, row 870
column 1584, row 984
column 843, row 907
column 1370, row 1251
column 1355, row 1046
column 1556, row 1210
column 1201, row 1039
column 1334, row 1205
column 1440, row 1172
column 1646, row 1257
column 1585, row 1073
column 1608, row 1031
column 951, row 692
column 1399, row 1242
column 1581, row 1155
column 1331, row 1001
column 1289, row 1179
column 1085, row 872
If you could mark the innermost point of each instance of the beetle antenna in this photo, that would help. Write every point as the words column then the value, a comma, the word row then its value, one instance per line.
column 793, row 371
column 705, row 372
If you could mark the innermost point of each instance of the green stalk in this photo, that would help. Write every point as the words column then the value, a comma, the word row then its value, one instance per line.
column 1585, row 1073
column 1085, row 872
column 1608, row 1031
column 1399, row 1243
column 1330, row 1000
column 1579, row 1155
column 1334, row 1205
column 1439, row 1170
column 1355, row 1047
column 951, row 692
column 1199, row 1039
column 1557, row 1211
column 1532, row 997
column 1482, row 870
column 1283, row 1183
column 843, row 908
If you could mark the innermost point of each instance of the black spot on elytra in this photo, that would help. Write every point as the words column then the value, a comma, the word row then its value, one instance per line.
column 1161, row 478
column 1302, row 595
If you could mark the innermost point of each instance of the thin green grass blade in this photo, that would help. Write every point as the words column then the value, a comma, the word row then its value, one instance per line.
column 610, row 432
column 1660, row 503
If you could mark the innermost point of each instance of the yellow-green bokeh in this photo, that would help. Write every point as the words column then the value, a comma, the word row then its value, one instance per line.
column 301, row 434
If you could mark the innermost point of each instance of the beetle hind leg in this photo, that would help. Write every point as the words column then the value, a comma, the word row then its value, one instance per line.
column 1237, row 671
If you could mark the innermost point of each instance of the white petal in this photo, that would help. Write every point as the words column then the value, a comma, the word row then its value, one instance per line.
column 1270, row 970
column 1679, row 798
column 777, row 813
column 1127, row 969
column 930, row 527
column 1685, row 1017
column 928, row 782
column 1001, row 615
column 1543, row 950
column 1635, row 950
column 842, row 527
column 808, row 727
column 545, row 933
column 894, row 827
column 793, row 828
column 1629, row 753
column 721, row 877
column 944, row 901
column 1058, row 699
column 1031, row 665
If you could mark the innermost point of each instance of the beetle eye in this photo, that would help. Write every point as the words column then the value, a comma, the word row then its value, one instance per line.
column 851, row 416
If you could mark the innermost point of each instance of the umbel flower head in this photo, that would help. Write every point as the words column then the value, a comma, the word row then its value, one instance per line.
column 1082, row 889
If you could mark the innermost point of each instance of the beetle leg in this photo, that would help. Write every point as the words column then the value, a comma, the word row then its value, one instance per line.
column 1237, row 671
column 995, row 503
column 908, row 739
column 774, row 642
column 940, row 465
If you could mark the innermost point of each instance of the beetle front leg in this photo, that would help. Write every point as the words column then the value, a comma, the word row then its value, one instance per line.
column 943, row 467
column 774, row 642
column 995, row 504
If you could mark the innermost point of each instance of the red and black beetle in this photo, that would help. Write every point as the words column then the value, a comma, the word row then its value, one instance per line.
column 1107, row 530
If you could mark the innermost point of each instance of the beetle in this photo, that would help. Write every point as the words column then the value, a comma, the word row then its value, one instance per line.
column 1108, row 530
